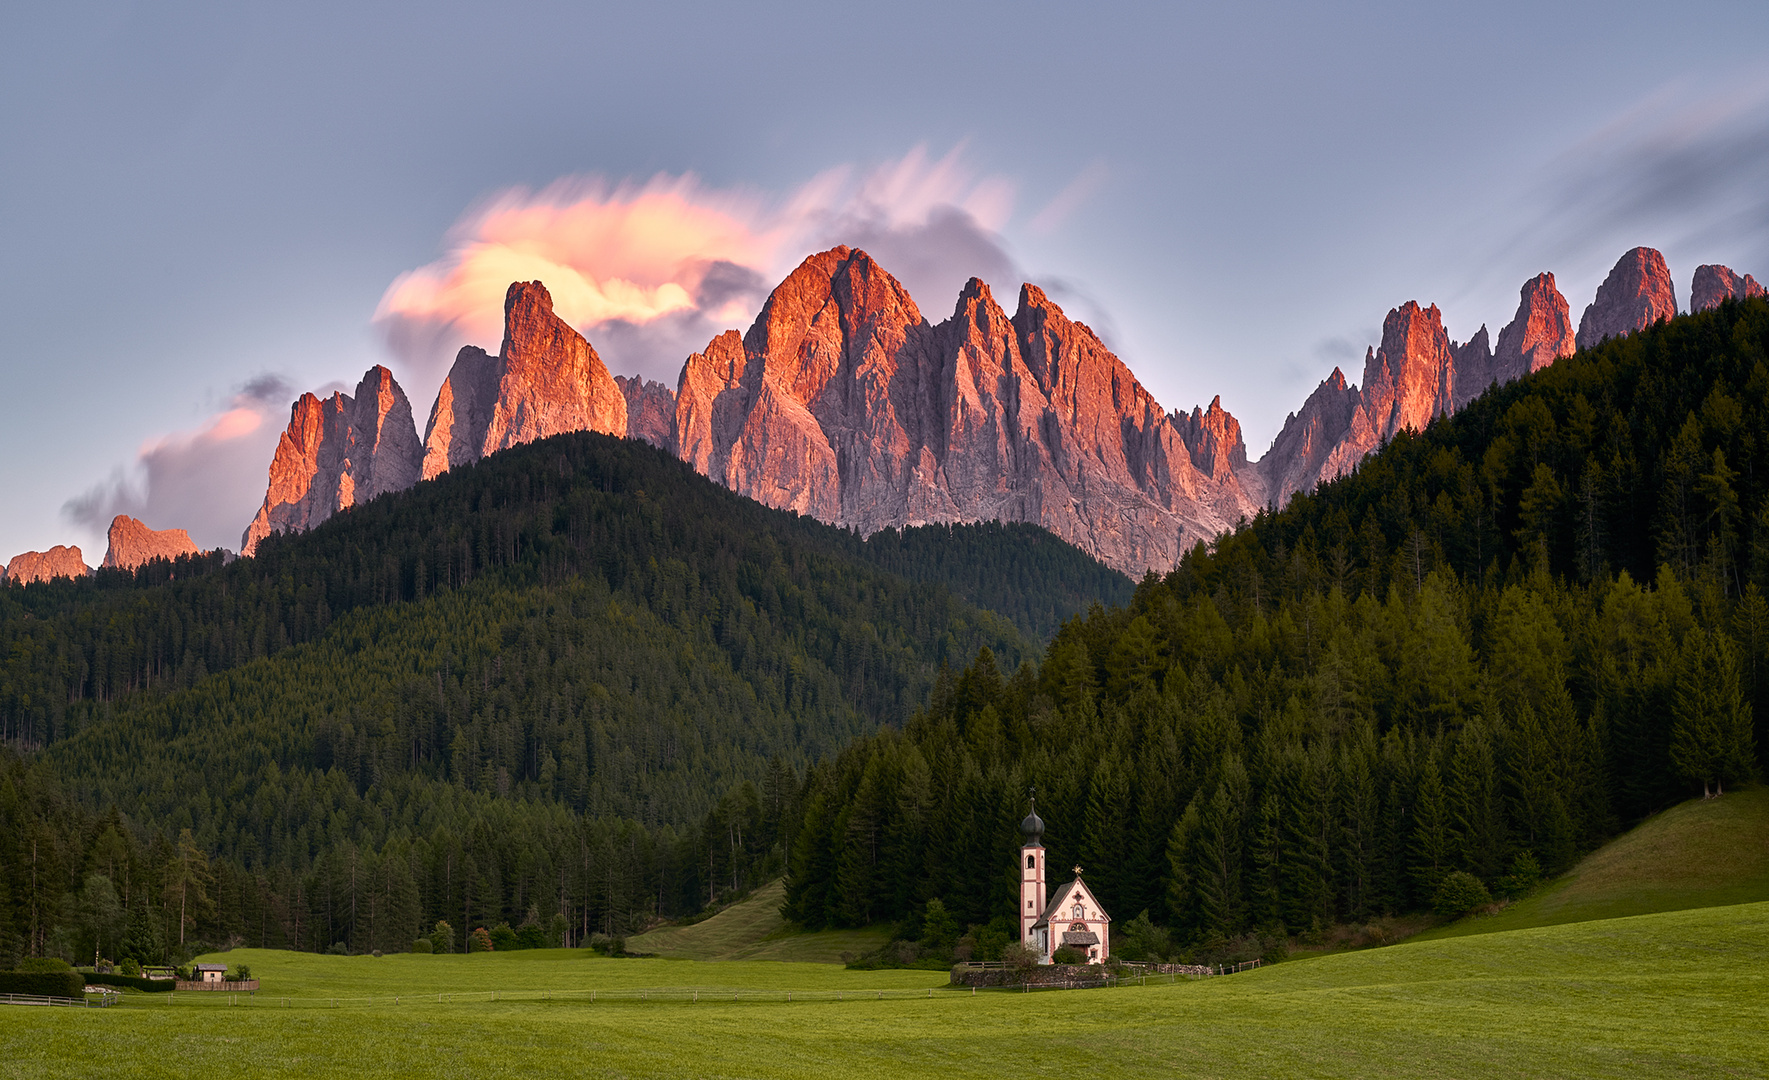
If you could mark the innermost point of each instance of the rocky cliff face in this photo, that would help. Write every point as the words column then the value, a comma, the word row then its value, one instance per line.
column 1540, row 333
column 336, row 454
column 546, row 380
column 132, row 543
column 1637, row 293
column 58, row 561
column 844, row 403
column 1714, row 284
column 651, row 410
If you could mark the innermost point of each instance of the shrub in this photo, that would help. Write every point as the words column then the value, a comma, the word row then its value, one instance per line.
column 479, row 941
column 67, row 983
column 1141, row 939
column 1019, row 958
column 503, row 939
column 1525, row 875
column 129, row 967
column 44, row 965
column 442, row 938
column 1459, row 893
column 423, row 945
column 608, row 946
column 531, row 936
column 243, row 974
column 1068, row 954
column 338, row 949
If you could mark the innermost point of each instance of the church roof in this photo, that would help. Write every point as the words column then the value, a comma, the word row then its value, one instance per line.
column 1061, row 897
column 1074, row 937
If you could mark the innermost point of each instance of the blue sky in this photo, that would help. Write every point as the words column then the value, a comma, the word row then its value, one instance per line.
column 203, row 208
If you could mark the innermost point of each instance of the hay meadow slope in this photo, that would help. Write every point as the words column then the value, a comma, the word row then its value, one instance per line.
column 1667, row 995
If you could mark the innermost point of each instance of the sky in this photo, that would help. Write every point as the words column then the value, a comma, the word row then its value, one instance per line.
column 206, row 210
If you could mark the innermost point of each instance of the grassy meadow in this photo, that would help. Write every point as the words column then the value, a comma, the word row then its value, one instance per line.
column 1675, row 994
column 754, row 930
column 1701, row 853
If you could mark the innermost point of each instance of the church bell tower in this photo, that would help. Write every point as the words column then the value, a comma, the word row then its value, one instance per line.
column 1032, row 883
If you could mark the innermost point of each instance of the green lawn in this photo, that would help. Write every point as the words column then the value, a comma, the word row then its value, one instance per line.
column 1702, row 853
column 754, row 930
column 1677, row 994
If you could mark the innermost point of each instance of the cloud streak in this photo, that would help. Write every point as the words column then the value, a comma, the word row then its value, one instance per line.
column 650, row 271
column 207, row 479
column 1678, row 170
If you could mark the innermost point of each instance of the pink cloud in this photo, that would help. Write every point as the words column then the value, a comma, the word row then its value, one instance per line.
column 208, row 479
column 650, row 271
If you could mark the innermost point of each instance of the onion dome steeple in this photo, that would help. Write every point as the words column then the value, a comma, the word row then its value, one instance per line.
column 1033, row 827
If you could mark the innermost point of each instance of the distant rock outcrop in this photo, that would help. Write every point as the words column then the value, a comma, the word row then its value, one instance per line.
column 1637, row 293
column 546, row 380
column 1714, row 284
column 336, row 454
column 651, row 410
column 133, row 543
column 1540, row 333
column 58, row 561
column 1473, row 363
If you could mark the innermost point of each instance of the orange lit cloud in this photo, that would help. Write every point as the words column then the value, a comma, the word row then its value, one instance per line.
column 650, row 271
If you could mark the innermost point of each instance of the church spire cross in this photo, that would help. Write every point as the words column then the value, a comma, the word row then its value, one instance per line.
column 1077, row 871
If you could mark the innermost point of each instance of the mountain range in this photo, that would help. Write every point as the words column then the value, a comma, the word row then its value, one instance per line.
column 844, row 402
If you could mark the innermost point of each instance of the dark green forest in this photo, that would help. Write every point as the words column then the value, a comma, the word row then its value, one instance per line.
column 576, row 687
column 575, row 679
column 1491, row 647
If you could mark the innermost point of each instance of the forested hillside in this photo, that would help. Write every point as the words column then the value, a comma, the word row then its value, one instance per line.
column 1493, row 645
column 575, row 678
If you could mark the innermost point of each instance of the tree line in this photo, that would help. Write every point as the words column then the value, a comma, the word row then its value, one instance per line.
column 1485, row 651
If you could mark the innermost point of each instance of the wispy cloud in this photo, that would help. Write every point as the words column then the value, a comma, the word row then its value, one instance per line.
column 650, row 271
column 208, row 479
column 1684, row 168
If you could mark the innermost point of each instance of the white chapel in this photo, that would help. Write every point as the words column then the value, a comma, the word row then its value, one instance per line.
column 1069, row 916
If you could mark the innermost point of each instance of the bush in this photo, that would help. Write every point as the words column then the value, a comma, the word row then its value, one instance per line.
column 1525, row 875
column 531, row 936
column 1459, row 893
column 479, row 941
column 244, row 973
column 44, row 965
column 1019, row 958
column 1068, row 954
column 129, row 967
column 503, row 939
column 63, row 984
column 442, row 938
column 423, row 945
column 1141, row 940
column 338, row 949
column 608, row 946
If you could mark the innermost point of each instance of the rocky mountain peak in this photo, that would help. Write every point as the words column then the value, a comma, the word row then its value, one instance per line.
column 651, row 410
column 1412, row 378
column 1540, row 333
column 1637, row 293
column 546, row 380
column 132, row 543
column 58, row 561
column 336, row 454
column 1714, row 284
column 1213, row 436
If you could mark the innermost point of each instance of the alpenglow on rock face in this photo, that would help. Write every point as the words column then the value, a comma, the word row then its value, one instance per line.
column 1714, row 285
column 842, row 402
column 132, row 543
column 58, row 561
column 1637, row 293
column 546, row 380
column 336, row 454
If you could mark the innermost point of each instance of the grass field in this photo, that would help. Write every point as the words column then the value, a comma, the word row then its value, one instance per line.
column 754, row 930
column 1673, row 995
column 1702, row 853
